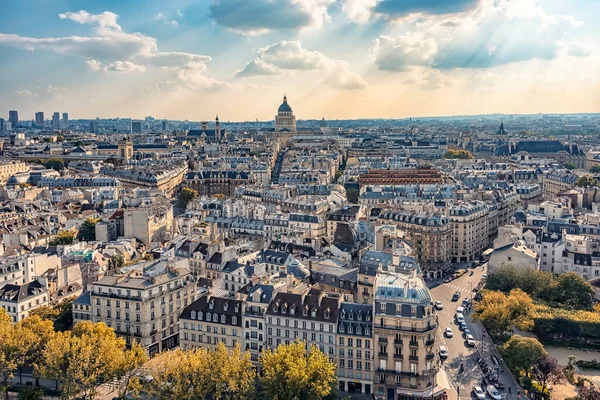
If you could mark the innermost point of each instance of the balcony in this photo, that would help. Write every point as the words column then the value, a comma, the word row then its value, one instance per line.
column 413, row 343
column 430, row 342
column 383, row 354
column 398, row 357
column 400, row 342
column 394, row 372
column 430, row 356
column 413, row 358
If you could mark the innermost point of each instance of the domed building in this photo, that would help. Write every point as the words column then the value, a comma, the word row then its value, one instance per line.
column 285, row 121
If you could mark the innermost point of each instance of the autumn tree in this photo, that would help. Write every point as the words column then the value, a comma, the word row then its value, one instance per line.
column 588, row 393
column 86, row 358
column 132, row 360
column 547, row 371
column 11, row 354
column 498, row 312
column 458, row 155
column 198, row 373
column 290, row 372
column 63, row 238
column 523, row 352
column 186, row 195
column 586, row 181
column 35, row 333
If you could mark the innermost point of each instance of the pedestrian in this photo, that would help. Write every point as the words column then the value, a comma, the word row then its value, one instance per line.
column 509, row 390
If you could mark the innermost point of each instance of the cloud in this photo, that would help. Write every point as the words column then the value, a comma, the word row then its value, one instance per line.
column 23, row 93
column 117, row 66
column 578, row 49
column 158, row 17
column 399, row 8
column 291, row 56
column 166, row 20
column 53, row 92
column 497, row 32
column 429, row 79
column 358, row 11
column 111, row 49
column 259, row 16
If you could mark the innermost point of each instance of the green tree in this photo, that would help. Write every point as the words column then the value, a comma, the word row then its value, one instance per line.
column 574, row 291
column 532, row 282
column 522, row 353
column 55, row 163
column 547, row 371
column 352, row 195
column 63, row 238
column 116, row 262
column 292, row 373
column 458, row 155
column 87, row 231
column 570, row 165
column 338, row 173
column 86, row 358
column 186, row 195
column 595, row 169
column 586, row 181
column 31, row 393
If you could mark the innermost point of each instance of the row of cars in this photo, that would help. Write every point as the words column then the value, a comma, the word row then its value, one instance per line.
column 491, row 391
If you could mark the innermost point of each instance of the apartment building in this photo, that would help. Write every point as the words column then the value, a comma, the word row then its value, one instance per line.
column 209, row 321
column 404, row 335
column 470, row 226
column 256, row 302
column 310, row 316
column 152, row 224
column 142, row 303
column 345, row 214
column 19, row 300
column 355, row 348
column 555, row 182
column 370, row 263
column 10, row 168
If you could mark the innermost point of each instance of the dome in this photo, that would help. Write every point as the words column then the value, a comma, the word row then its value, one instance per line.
column 284, row 107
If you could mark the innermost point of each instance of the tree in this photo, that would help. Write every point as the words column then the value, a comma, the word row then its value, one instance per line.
column 115, row 262
column 35, row 333
column 532, row 282
column 574, row 291
column 586, row 181
column 11, row 353
column 147, row 257
column 87, row 231
column 290, row 372
column 186, row 195
column 131, row 362
column 63, row 238
column 498, row 312
column 89, row 356
column 588, row 393
column 523, row 352
column 60, row 314
column 546, row 371
column 352, row 195
column 55, row 163
column 198, row 373
column 595, row 169
column 569, row 166
column 338, row 173
column 458, row 155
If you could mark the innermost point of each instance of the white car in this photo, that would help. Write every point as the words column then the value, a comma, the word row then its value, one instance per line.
column 448, row 332
column 493, row 392
column 484, row 276
column 460, row 318
column 470, row 340
column 443, row 352
column 439, row 305
column 479, row 393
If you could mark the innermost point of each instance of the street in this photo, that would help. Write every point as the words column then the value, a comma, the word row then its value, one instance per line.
column 458, row 351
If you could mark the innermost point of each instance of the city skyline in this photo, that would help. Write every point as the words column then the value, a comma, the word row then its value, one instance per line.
column 341, row 59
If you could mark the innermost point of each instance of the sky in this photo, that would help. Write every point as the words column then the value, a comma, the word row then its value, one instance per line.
column 335, row 59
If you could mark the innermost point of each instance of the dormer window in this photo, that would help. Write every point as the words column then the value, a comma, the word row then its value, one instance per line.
column 341, row 328
column 292, row 310
column 236, row 308
column 233, row 320
column 358, row 330
column 326, row 314
column 313, row 313
column 350, row 329
column 343, row 314
column 368, row 317
column 367, row 331
column 283, row 309
column 208, row 317
column 359, row 316
column 305, row 311
column 211, row 305
column 223, row 319
column 193, row 314
column 351, row 315
column 225, row 306
column 275, row 308
column 200, row 316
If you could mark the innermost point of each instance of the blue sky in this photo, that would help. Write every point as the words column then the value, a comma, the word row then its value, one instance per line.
column 190, row 59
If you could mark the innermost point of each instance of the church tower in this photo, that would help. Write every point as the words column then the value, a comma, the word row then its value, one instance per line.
column 125, row 149
column 217, row 129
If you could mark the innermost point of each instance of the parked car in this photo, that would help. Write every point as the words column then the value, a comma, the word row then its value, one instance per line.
column 493, row 392
column 456, row 296
column 439, row 305
column 470, row 340
column 448, row 332
column 478, row 392
column 484, row 276
column 460, row 318
column 463, row 326
column 466, row 331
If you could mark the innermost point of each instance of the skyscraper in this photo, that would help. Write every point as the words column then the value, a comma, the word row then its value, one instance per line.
column 56, row 120
column 13, row 118
column 39, row 119
column 94, row 126
column 165, row 125
column 136, row 126
column 2, row 125
column 65, row 120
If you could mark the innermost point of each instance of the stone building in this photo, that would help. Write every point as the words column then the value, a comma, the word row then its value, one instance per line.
column 405, row 328
column 285, row 120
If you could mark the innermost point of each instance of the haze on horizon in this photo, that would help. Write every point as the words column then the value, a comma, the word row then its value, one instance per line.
column 338, row 59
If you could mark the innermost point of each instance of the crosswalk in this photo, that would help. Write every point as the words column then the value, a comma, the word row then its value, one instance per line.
column 456, row 287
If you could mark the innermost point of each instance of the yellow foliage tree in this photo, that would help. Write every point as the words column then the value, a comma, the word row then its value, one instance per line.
column 292, row 373
column 35, row 333
column 11, row 353
column 89, row 356
column 498, row 312
column 194, row 374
